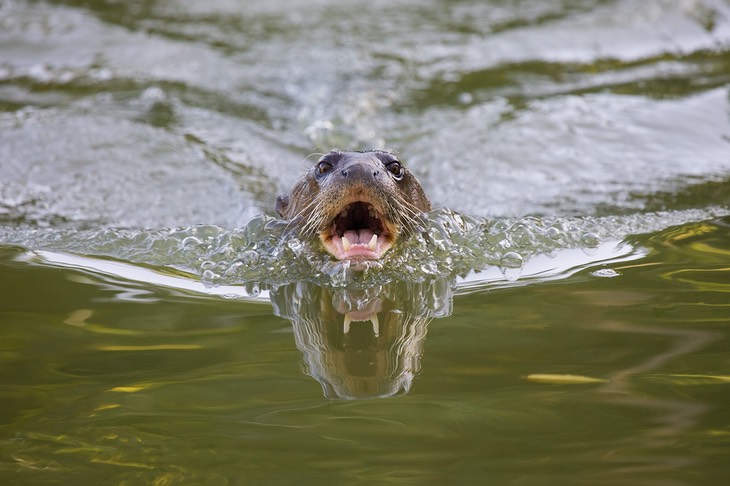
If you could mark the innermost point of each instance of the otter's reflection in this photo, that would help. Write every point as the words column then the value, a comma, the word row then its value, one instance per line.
column 362, row 343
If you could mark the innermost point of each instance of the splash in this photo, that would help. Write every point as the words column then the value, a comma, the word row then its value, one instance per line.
column 266, row 252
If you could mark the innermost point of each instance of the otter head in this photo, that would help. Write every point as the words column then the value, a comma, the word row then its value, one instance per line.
column 357, row 203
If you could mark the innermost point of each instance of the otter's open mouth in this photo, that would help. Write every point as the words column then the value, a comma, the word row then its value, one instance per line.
column 358, row 232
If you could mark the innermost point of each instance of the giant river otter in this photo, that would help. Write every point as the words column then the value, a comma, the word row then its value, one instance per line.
column 358, row 203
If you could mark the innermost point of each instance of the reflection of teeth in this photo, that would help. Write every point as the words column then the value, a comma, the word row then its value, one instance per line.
column 347, row 323
column 373, row 321
column 346, row 243
column 376, row 324
column 373, row 241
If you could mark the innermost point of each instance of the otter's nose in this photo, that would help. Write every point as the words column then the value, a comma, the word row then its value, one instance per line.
column 361, row 171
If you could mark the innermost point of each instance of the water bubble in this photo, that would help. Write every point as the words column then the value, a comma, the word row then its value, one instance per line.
column 230, row 296
column 207, row 265
column 234, row 269
column 277, row 226
column 466, row 98
column 210, row 278
column 511, row 274
column 255, row 229
column 522, row 235
column 102, row 74
column 553, row 233
column 429, row 268
column 250, row 258
column 191, row 241
column 295, row 246
column 512, row 259
column 153, row 94
column 590, row 239
column 207, row 231
column 319, row 129
column 605, row 273
column 337, row 271
column 438, row 236
column 253, row 289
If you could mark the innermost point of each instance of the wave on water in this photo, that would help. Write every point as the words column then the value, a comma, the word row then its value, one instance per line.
column 267, row 253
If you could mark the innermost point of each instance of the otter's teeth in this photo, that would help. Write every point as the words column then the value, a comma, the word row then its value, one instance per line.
column 372, row 243
column 376, row 325
column 346, row 243
column 347, row 323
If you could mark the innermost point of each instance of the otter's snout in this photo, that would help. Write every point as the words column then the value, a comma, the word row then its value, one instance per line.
column 365, row 171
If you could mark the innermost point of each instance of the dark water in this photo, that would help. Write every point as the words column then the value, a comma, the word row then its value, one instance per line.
column 564, row 321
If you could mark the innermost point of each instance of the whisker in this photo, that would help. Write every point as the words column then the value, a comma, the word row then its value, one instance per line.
column 316, row 219
column 295, row 218
column 319, row 154
column 407, row 214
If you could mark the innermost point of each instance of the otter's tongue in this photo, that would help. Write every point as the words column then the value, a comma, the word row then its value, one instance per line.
column 357, row 232
column 362, row 237
column 357, row 243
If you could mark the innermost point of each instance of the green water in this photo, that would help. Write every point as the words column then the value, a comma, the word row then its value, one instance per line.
column 112, row 381
column 566, row 324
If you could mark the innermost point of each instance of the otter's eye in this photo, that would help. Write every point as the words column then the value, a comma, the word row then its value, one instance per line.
column 324, row 167
column 395, row 168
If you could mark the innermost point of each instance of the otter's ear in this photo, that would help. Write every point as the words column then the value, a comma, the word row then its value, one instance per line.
column 282, row 205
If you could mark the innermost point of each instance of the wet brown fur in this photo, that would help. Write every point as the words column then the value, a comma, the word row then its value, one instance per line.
column 318, row 197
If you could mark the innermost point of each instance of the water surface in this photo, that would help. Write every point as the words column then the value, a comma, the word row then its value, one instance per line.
column 560, row 319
